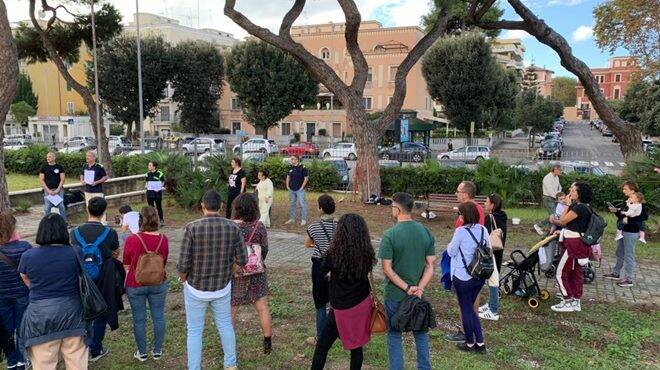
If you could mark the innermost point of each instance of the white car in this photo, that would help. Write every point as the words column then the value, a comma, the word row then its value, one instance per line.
column 138, row 152
column 118, row 144
column 343, row 150
column 19, row 139
column 13, row 146
column 257, row 144
column 204, row 145
column 472, row 153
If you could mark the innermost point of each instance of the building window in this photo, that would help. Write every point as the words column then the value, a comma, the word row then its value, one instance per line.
column 616, row 63
column 617, row 94
column 617, row 77
column 164, row 113
column 600, row 79
column 70, row 108
column 393, row 70
column 369, row 74
column 325, row 54
column 367, row 102
column 624, row 63
column 235, row 103
column 68, row 86
column 286, row 128
column 336, row 129
column 235, row 126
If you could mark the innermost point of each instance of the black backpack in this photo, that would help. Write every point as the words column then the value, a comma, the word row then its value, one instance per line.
column 482, row 265
column 595, row 228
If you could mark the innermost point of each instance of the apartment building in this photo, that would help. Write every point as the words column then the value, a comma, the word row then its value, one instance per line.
column 510, row 53
column 543, row 79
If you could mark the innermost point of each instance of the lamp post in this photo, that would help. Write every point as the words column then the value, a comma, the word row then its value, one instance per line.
column 96, row 90
column 139, row 66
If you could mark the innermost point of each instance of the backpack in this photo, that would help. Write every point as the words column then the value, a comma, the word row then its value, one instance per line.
column 255, row 264
column 595, row 228
column 150, row 268
column 92, row 259
column 482, row 264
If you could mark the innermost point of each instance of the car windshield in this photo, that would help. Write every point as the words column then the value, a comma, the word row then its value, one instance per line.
column 550, row 145
column 340, row 165
column 597, row 171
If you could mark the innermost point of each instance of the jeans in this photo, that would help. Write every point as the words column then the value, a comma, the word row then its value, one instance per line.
column 320, row 293
column 625, row 254
column 195, row 317
column 549, row 204
column 395, row 345
column 98, row 333
column 60, row 207
column 297, row 196
column 321, row 318
column 326, row 339
column 11, row 314
column 467, row 292
column 138, row 298
column 494, row 299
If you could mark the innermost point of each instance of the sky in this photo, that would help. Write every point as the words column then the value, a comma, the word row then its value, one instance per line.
column 571, row 18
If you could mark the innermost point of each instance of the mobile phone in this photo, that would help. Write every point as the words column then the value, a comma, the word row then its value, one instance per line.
column 610, row 205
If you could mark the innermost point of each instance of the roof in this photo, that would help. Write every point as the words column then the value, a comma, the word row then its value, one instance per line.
column 415, row 125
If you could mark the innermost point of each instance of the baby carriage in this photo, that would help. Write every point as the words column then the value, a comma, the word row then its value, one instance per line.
column 550, row 254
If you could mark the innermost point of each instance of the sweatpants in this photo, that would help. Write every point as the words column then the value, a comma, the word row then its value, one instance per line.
column 569, row 272
column 467, row 292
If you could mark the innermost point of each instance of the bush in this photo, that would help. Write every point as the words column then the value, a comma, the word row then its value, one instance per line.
column 189, row 193
column 323, row 176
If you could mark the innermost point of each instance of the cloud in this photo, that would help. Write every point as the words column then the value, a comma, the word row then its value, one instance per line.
column 516, row 34
column 583, row 33
column 565, row 2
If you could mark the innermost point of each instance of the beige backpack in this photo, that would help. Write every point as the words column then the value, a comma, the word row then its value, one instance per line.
column 150, row 268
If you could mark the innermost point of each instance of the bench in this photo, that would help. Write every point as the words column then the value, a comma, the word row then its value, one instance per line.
column 447, row 203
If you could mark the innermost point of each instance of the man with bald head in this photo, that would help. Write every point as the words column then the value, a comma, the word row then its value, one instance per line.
column 51, row 178
column 93, row 188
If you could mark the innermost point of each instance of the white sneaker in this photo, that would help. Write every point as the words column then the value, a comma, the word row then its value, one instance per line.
column 483, row 308
column 290, row 221
column 303, row 222
column 564, row 306
column 139, row 356
column 642, row 240
column 539, row 230
column 488, row 315
column 618, row 236
column 576, row 305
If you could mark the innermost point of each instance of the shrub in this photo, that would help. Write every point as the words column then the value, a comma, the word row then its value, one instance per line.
column 641, row 169
column 323, row 176
column 493, row 176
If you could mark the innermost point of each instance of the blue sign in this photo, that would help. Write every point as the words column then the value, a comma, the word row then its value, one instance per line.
column 240, row 133
column 405, row 134
column 69, row 121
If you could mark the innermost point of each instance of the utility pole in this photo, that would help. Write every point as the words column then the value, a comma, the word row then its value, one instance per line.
column 139, row 65
column 96, row 90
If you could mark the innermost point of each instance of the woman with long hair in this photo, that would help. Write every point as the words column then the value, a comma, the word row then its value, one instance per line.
column 349, row 261
column 495, row 220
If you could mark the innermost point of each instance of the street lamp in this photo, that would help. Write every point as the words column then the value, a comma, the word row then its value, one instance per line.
column 139, row 66
column 96, row 89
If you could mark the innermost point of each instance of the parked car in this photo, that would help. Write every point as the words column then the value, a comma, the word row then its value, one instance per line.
column 118, row 144
column 342, row 150
column 550, row 149
column 554, row 136
column 257, row 144
column 472, row 153
column 584, row 168
column 341, row 166
column 77, row 144
column 406, row 152
column 13, row 145
column 538, row 138
column 18, row 139
column 203, row 145
column 303, row 149
column 138, row 152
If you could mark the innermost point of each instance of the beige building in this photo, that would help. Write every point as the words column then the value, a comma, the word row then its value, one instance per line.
column 543, row 79
column 510, row 53
column 384, row 49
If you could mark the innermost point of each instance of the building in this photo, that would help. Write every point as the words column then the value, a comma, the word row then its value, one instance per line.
column 384, row 49
column 543, row 78
column 510, row 53
column 613, row 82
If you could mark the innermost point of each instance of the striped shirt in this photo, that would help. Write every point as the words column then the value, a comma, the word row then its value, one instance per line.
column 209, row 248
column 321, row 232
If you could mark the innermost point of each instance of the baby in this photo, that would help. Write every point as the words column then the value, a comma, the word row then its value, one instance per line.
column 634, row 204
column 560, row 208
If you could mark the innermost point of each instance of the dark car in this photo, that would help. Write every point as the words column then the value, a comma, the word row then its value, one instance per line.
column 406, row 152
column 550, row 149
column 341, row 166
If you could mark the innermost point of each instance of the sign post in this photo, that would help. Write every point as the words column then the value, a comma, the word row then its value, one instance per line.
column 471, row 131
column 404, row 136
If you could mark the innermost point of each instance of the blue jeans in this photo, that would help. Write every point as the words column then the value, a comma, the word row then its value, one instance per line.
column 195, row 317
column 297, row 196
column 138, row 298
column 494, row 299
column 98, row 333
column 625, row 254
column 60, row 207
column 467, row 292
column 321, row 317
column 11, row 314
column 395, row 345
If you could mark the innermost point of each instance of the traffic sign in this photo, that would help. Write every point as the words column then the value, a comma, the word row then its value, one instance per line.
column 405, row 134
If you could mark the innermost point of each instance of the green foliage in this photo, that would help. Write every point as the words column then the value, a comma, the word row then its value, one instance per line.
column 269, row 82
column 21, row 112
column 189, row 194
column 640, row 169
column 24, row 92
column 642, row 106
column 323, row 176
column 197, row 83
column 536, row 111
column 118, row 77
column 277, row 171
column 116, row 130
column 23, row 206
column 457, row 16
column 493, row 176
column 563, row 90
column 499, row 116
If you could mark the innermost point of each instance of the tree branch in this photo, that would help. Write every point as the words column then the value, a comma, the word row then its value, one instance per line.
column 353, row 20
column 411, row 59
column 483, row 10
column 503, row 25
column 290, row 18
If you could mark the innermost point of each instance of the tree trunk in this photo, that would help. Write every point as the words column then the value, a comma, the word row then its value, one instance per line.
column 367, row 169
column 129, row 131
column 8, row 86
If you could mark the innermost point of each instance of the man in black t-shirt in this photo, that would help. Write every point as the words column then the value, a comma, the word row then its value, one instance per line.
column 95, row 187
column 296, row 180
column 51, row 177
column 236, row 184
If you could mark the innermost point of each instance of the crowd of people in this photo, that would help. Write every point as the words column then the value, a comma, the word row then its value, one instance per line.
column 222, row 266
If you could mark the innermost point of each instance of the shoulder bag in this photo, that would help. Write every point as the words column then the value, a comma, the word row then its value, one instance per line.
column 93, row 303
column 255, row 264
column 378, row 315
column 495, row 236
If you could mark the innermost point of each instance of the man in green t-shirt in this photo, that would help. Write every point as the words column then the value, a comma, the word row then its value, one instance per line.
column 407, row 252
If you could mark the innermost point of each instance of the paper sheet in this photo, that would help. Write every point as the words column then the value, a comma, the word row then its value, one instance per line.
column 89, row 177
column 154, row 185
column 54, row 199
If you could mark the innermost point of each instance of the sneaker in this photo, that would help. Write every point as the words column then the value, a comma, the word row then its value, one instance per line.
column 564, row 306
column 576, row 305
column 559, row 295
column 488, row 315
column 311, row 341
column 303, row 222
column 611, row 276
column 13, row 367
column 139, row 356
column 480, row 349
column 156, row 355
column 455, row 338
column 462, row 346
column 483, row 308
column 289, row 222
column 104, row 351
column 642, row 240
column 625, row 283
column 539, row 230
column 618, row 236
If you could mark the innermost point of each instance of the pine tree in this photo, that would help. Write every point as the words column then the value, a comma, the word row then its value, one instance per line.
column 25, row 93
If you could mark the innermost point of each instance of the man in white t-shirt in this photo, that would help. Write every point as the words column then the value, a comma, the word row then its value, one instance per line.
column 130, row 222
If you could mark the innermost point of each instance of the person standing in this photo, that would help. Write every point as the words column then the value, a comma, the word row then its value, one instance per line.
column 52, row 177
column 210, row 247
column 319, row 237
column 148, row 239
column 466, row 191
column 296, row 180
column 551, row 187
column 13, row 292
column 265, row 192
column 450, row 145
column 155, row 195
column 108, row 278
column 407, row 252
column 252, row 289
column 349, row 262
column 236, row 184
column 496, row 220
column 96, row 175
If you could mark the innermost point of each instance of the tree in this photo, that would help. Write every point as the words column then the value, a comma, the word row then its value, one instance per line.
column 367, row 132
column 118, row 77
column 458, row 21
column 21, row 112
column 499, row 113
column 25, row 93
column 197, row 83
column 642, row 106
column 563, row 90
column 630, row 24
column 8, row 86
column 535, row 111
column 269, row 83
column 60, row 42
column 529, row 79
column 461, row 73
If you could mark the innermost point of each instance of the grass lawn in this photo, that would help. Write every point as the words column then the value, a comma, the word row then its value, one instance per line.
column 17, row 181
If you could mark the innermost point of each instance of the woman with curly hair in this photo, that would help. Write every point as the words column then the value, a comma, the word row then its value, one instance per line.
column 349, row 261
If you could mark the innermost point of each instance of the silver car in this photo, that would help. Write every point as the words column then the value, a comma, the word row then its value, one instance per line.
column 472, row 153
column 204, row 145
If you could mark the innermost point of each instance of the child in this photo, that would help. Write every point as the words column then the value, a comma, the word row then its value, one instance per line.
column 634, row 204
column 130, row 221
column 560, row 208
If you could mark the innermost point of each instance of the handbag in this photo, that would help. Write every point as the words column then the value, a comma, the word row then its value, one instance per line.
column 255, row 264
column 93, row 303
column 378, row 315
column 495, row 236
